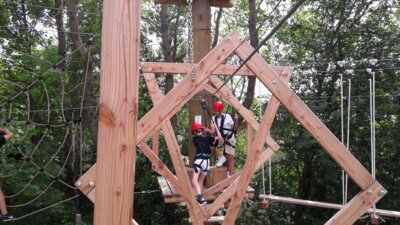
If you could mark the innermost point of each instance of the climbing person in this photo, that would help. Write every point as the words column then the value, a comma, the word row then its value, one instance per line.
column 204, row 144
column 227, row 127
column 5, row 135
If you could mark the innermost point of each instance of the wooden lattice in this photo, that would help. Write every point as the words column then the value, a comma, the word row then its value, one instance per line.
column 276, row 81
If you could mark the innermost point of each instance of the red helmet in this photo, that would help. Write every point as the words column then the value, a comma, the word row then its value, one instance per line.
column 218, row 106
column 197, row 126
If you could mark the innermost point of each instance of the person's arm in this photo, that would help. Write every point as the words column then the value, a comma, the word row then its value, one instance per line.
column 236, row 122
column 219, row 136
column 6, row 133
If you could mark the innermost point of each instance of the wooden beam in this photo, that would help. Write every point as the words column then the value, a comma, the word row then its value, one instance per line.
column 273, row 198
column 214, row 3
column 184, row 68
column 118, row 113
column 307, row 118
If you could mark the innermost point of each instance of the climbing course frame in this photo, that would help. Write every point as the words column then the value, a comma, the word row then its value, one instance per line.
column 276, row 81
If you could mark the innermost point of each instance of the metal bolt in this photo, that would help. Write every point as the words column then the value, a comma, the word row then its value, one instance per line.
column 370, row 192
column 91, row 184
column 382, row 192
column 79, row 183
column 274, row 81
column 240, row 38
column 228, row 39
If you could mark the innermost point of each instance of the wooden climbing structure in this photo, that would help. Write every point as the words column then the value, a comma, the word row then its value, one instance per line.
column 109, row 183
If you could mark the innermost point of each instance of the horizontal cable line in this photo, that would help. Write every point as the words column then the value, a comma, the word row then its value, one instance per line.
column 50, row 30
column 55, row 109
column 49, row 7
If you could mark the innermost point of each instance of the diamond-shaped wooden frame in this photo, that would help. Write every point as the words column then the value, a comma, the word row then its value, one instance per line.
column 166, row 106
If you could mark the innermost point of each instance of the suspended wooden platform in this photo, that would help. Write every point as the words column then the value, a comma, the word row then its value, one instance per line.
column 273, row 198
column 213, row 219
column 171, row 195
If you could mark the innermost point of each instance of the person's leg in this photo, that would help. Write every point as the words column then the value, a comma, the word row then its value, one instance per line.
column 220, row 158
column 202, row 177
column 231, row 163
column 3, row 206
column 230, row 154
column 195, row 181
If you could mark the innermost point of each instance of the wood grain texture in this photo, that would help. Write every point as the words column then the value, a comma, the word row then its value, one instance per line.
column 118, row 113
column 184, row 68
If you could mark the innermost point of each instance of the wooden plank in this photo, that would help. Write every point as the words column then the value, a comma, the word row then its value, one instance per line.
column 156, row 142
column 250, row 135
column 273, row 198
column 184, row 68
column 118, row 113
column 164, row 186
column 213, row 219
column 214, row 3
column 307, row 118
column 86, row 182
column 358, row 205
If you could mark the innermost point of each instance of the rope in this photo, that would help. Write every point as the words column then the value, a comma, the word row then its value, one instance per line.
column 16, row 109
column 259, row 116
column 342, row 135
column 45, row 208
column 348, row 138
column 372, row 122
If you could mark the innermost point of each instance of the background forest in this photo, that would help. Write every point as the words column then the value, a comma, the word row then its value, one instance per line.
column 49, row 93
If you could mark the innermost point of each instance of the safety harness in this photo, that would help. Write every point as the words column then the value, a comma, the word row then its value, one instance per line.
column 221, row 128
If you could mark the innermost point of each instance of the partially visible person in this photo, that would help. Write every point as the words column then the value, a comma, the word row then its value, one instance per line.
column 5, row 135
column 227, row 127
column 203, row 143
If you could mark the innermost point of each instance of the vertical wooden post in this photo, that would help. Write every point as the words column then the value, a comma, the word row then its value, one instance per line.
column 201, row 46
column 116, row 153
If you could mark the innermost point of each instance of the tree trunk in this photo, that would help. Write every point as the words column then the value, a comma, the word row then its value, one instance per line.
column 254, row 41
column 89, row 100
column 168, row 51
